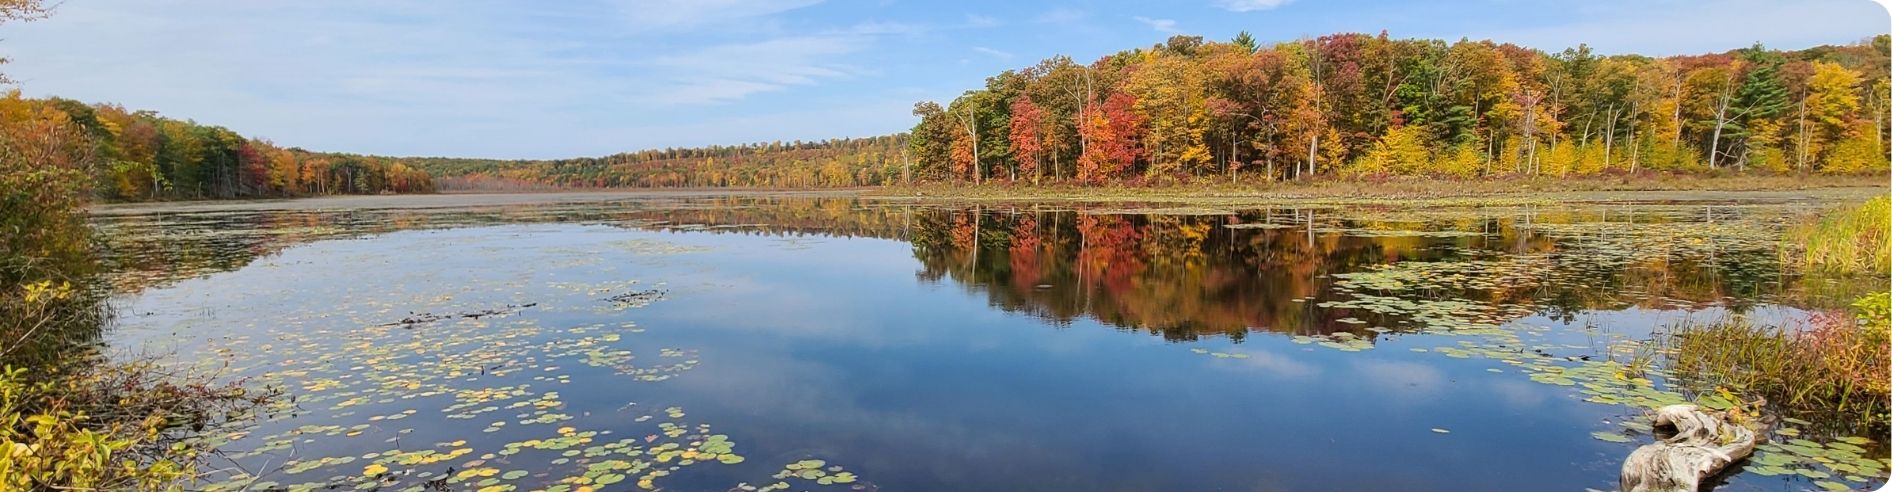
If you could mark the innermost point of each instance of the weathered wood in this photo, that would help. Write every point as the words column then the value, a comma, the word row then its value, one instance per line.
column 1704, row 443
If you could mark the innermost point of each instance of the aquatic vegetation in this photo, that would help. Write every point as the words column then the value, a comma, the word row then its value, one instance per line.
column 1837, row 363
column 805, row 472
column 1853, row 239
column 1218, row 355
column 369, row 385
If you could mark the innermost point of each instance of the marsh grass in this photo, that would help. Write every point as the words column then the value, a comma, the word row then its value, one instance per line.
column 1835, row 363
column 1846, row 240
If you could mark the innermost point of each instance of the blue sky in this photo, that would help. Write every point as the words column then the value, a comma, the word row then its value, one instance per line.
column 519, row 79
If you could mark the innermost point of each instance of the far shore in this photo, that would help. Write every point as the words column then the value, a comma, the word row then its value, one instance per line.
column 1425, row 192
column 449, row 200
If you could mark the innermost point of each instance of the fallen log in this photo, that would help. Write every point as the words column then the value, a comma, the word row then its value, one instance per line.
column 1703, row 444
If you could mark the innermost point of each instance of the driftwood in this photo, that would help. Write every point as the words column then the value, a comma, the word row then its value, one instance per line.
column 1703, row 444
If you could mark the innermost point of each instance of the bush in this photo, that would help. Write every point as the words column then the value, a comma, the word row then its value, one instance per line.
column 69, row 420
column 45, row 244
column 108, row 429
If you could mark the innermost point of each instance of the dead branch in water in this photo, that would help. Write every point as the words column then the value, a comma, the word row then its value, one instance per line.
column 1704, row 443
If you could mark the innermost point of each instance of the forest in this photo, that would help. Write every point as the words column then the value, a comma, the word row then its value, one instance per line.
column 839, row 162
column 1358, row 105
column 139, row 155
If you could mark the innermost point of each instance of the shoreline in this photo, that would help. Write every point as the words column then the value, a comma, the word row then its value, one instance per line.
column 1409, row 192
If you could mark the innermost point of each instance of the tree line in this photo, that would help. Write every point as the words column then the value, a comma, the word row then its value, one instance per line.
column 139, row 155
column 839, row 162
column 1364, row 105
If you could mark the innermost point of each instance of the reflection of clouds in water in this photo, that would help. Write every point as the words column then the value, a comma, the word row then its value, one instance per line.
column 1517, row 393
column 747, row 304
column 1268, row 363
column 1410, row 379
column 815, row 405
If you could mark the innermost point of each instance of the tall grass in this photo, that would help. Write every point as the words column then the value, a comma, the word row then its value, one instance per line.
column 1836, row 364
column 1848, row 240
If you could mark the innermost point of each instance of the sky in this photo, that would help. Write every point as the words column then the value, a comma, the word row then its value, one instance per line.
column 537, row 79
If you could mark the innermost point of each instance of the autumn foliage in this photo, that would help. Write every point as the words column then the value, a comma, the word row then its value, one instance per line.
column 1372, row 105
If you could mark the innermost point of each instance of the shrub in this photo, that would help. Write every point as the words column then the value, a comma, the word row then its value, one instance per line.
column 106, row 429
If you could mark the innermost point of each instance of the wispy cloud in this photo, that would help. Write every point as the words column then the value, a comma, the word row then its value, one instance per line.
column 884, row 28
column 734, row 71
column 658, row 15
column 980, row 21
column 1060, row 16
column 1660, row 28
column 1161, row 25
column 1250, row 5
column 1002, row 55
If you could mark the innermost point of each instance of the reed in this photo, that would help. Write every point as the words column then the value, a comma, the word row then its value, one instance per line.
column 1836, row 363
column 1847, row 240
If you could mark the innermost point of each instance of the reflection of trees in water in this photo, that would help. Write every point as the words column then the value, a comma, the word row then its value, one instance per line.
column 144, row 251
column 1178, row 276
column 1187, row 276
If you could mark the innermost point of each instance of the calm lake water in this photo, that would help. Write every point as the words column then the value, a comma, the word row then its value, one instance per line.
column 838, row 344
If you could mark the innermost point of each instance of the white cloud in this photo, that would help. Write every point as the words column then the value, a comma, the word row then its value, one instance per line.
column 886, row 28
column 792, row 60
column 1664, row 28
column 1061, row 16
column 713, row 91
column 1002, row 55
column 1250, row 5
column 1162, row 25
column 675, row 14
column 980, row 21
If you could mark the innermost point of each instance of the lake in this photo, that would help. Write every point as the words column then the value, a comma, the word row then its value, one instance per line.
column 841, row 343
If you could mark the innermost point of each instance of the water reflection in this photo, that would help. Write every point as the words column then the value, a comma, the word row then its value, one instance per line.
column 1178, row 276
column 865, row 333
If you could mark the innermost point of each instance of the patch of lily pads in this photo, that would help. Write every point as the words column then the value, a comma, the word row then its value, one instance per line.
column 461, row 403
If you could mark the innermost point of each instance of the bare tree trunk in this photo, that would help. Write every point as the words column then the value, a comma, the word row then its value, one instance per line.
column 1609, row 136
column 1491, row 137
column 1678, row 112
column 1313, row 145
column 972, row 128
column 1530, row 134
column 1703, row 444
column 1800, row 147
column 1721, row 120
